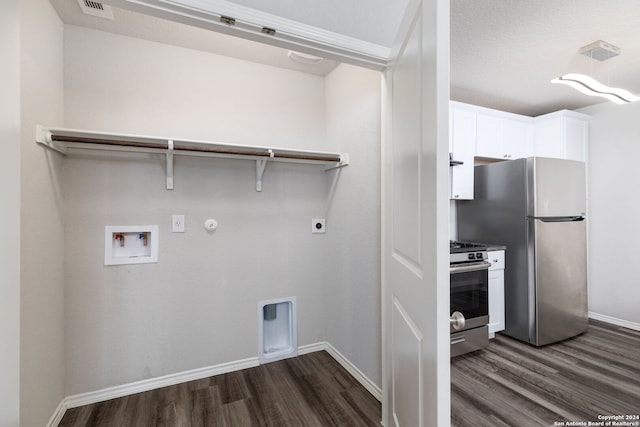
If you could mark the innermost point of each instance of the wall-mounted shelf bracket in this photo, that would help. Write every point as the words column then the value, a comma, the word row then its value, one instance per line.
column 344, row 161
column 261, row 164
column 170, row 165
column 62, row 140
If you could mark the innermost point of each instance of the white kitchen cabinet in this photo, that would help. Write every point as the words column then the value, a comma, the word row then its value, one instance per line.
column 462, row 143
column 496, row 292
column 489, row 136
column 517, row 138
column 562, row 135
column 504, row 136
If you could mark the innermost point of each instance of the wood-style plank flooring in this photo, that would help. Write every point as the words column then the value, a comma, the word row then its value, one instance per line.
column 308, row 390
column 508, row 384
column 515, row 384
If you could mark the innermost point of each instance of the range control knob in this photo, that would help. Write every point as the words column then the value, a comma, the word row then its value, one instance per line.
column 457, row 320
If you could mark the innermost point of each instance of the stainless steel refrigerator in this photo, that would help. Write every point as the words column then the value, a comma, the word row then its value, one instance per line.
column 536, row 207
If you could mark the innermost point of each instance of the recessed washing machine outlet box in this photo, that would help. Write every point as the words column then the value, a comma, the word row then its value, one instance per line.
column 130, row 244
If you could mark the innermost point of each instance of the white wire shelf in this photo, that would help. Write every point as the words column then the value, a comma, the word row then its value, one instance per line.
column 62, row 140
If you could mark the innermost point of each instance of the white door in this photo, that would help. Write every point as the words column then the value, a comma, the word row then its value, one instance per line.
column 415, row 253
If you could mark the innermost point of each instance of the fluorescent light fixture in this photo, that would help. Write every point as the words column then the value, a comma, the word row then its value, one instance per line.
column 303, row 58
column 592, row 87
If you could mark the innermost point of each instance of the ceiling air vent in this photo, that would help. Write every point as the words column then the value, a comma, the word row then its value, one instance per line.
column 95, row 8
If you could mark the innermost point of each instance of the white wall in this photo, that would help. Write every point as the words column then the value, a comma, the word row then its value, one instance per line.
column 614, row 203
column 198, row 305
column 10, row 214
column 353, row 221
column 121, row 84
column 42, row 286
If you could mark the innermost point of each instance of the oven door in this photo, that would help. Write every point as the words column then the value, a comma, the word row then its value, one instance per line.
column 470, row 293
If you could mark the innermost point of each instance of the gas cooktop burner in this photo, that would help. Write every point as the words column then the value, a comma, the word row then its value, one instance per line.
column 457, row 247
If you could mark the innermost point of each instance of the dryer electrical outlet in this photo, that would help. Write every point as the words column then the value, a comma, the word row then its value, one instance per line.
column 318, row 225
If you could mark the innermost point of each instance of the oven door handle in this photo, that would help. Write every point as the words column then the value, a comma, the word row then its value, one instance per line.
column 458, row 340
column 469, row 267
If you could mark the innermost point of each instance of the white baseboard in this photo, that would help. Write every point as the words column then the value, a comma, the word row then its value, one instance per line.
column 614, row 321
column 355, row 372
column 154, row 383
column 57, row 415
column 195, row 374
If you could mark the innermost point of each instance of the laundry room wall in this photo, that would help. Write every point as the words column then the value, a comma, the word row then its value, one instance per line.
column 353, row 111
column 10, row 214
column 197, row 306
column 42, row 373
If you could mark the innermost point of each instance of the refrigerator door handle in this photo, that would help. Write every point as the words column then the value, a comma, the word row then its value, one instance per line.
column 558, row 218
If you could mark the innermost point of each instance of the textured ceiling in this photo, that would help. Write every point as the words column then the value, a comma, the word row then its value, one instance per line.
column 503, row 52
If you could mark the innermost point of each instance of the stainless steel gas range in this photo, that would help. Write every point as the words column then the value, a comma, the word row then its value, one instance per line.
column 469, row 306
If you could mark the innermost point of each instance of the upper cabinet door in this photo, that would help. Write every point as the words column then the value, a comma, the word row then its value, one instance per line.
column 548, row 138
column 463, row 136
column 517, row 139
column 576, row 137
column 489, row 137
column 503, row 138
column 562, row 135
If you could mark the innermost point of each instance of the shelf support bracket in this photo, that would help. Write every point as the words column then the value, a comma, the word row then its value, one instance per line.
column 43, row 137
column 170, row 164
column 344, row 161
column 260, row 165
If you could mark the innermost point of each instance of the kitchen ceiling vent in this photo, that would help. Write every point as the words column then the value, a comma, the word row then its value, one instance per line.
column 95, row 8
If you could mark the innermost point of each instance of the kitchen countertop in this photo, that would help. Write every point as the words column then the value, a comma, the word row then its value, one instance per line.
column 489, row 246
column 494, row 247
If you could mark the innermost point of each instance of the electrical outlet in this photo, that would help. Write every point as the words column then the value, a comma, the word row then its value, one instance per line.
column 177, row 224
column 318, row 226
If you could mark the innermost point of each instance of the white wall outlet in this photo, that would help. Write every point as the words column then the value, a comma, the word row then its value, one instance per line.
column 318, row 225
column 177, row 224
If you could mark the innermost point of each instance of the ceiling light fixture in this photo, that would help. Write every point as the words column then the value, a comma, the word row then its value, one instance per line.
column 592, row 87
column 600, row 51
column 303, row 58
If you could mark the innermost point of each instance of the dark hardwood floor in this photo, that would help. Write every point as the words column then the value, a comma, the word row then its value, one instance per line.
column 308, row 390
column 514, row 384
column 508, row 384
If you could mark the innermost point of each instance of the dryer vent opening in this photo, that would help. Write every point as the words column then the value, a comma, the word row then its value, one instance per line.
column 278, row 331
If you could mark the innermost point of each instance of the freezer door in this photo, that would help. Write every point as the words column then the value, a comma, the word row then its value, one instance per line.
column 560, row 280
column 556, row 187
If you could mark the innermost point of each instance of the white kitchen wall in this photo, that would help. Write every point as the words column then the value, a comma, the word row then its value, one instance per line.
column 10, row 214
column 614, row 204
column 198, row 305
column 41, row 223
column 353, row 223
